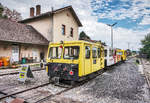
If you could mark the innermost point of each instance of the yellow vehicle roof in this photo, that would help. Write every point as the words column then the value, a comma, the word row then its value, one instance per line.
column 120, row 50
column 75, row 42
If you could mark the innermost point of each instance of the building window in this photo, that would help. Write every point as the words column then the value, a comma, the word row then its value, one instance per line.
column 63, row 29
column 71, row 32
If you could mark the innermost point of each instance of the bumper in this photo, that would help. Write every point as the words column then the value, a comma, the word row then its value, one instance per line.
column 63, row 71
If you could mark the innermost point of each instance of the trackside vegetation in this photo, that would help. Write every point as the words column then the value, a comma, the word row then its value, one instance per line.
column 146, row 45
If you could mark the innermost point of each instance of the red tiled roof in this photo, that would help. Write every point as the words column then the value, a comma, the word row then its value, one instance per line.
column 21, row 33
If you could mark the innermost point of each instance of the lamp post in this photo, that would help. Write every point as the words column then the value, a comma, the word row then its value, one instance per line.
column 111, row 32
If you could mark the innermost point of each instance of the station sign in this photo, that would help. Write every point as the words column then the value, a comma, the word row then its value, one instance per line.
column 25, row 73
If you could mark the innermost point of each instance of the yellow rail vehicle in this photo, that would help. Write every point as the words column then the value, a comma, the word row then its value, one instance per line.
column 72, row 60
column 122, row 54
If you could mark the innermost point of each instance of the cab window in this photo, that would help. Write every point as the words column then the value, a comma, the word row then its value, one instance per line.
column 110, row 52
column 99, row 53
column 105, row 51
column 94, row 52
column 71, row 52
column 87, row 52
column 55, row 52
column 119, row 53
column 114, row 52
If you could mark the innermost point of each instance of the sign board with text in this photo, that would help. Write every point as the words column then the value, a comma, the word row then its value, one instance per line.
column 23, row 73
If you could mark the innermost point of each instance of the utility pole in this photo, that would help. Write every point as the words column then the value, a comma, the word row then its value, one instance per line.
column 52, row 40
column 132, row 48
column 128, row 45
column 111, row 32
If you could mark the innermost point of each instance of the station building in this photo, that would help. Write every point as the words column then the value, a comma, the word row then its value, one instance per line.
column 29, row 38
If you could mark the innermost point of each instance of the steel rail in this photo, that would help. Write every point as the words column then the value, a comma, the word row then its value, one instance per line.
column 6, row 94
column 13, row 73
column 10, row 95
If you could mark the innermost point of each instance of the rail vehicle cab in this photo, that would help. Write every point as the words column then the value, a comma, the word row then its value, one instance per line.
column 121, row 55
column 124, row 56
column 110, row 56
column 72, row 60
column 118, row 53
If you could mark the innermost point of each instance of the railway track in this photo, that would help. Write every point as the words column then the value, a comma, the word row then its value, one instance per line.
column 69, row 88
column 12, row 94
column 77, row 85
column 13, row 73
column 145, row 74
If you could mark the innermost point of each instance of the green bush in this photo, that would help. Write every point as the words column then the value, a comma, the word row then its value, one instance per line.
column 146, row 45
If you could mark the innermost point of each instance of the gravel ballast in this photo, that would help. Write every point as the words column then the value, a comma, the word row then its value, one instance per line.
column 121, row 84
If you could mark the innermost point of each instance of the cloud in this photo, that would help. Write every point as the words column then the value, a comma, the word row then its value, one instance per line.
column 123, row 36
column 145, row 21
column 84, row 9
column 121, row 9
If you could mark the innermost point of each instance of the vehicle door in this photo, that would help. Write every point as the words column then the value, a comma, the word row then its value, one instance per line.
column 87, row 58
column 94, row 59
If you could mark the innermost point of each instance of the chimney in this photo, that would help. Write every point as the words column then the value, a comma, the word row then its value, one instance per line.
column 31, row 11
column 38, row 9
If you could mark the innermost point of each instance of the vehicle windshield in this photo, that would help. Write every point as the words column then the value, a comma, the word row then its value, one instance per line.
column 55, row 52
column 119, row 53
column 71, row 52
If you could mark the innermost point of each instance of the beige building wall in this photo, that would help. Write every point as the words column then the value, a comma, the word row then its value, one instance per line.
column 25, row 50
column 44, row 26
column 67, row 19
column 32, row 51
column 5, row 50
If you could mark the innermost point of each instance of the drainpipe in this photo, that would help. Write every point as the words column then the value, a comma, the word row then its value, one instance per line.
column 52, row 25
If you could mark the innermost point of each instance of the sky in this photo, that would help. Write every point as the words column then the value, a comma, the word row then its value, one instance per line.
column 132, row 17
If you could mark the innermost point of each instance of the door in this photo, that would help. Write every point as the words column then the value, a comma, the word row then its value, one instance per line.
column 99, row 58
column 15, row 53
column 35, row 54
column 87, row 62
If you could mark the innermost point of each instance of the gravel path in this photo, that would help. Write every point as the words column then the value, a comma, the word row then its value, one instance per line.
column 121, row 84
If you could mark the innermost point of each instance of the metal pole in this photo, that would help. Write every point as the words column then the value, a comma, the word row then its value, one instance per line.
column 52, row 40
column 111, row 26
column 111, row 37
column 128, row 45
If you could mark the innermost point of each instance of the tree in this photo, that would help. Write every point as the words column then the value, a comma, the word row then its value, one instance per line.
column 1, row 10
column 129, row 52
column 10, row 14
column 83, row 36
column 146, row 45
